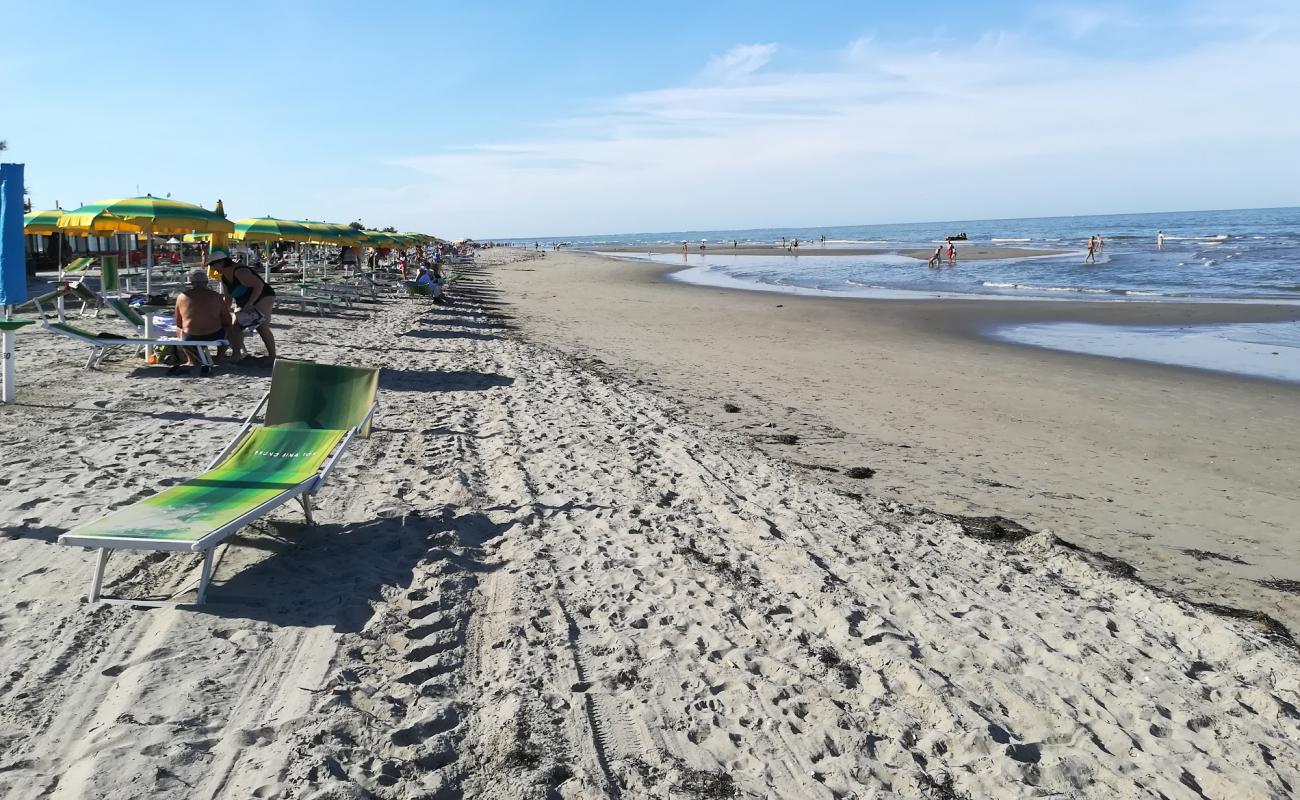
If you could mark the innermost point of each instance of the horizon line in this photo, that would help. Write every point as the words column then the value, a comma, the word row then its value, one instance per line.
column 875, row 224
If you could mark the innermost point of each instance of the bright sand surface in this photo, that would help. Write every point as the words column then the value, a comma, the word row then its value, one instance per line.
column 1139, row 461
column 545, row 577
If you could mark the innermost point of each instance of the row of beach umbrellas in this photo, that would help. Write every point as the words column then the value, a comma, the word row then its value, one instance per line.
column 156, row 216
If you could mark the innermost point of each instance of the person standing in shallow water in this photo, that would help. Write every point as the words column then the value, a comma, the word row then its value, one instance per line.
column 952, row 252
column 1160, row 240
column 1091, row 258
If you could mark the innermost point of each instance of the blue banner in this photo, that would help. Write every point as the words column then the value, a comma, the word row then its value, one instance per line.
column 13, row 265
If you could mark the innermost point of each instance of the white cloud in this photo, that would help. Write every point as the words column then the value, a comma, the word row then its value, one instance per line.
column 739, row 62
column 999, row 126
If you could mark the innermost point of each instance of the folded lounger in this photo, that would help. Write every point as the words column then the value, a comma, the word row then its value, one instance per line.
column 101, row 346
column 312, row 413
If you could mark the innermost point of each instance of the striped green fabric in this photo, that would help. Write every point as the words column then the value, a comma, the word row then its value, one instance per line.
column 42, row 222
column 108, row 275
column 123, row 309
column 79, row 264
column 268, row 463
column 139, row 214
column 82, row 332
column 83, row 293
column 270, row 229
column 311, row 395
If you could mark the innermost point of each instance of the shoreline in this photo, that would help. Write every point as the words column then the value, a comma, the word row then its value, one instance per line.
column 969, row 252
column 1154, row 464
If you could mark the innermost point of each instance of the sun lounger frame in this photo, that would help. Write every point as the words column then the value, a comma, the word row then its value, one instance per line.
column 102, row 346
column 302, row 492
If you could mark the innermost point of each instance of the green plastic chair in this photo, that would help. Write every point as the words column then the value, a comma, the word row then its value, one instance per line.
column 313, row 411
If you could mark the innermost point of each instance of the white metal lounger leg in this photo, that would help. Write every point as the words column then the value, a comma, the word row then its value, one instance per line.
column 206, row 575
column 97, row 581
column 305, row 499
column 90, row 362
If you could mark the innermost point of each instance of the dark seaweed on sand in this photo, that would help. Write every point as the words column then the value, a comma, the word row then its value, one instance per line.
column 941, row 788
column 1281, row 585
column 1210, row 555
column 700, row 783
column 991, row 529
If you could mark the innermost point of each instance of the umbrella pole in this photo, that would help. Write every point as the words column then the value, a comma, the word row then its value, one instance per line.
column 7, row 390
column 58, row 303
column 148, row 259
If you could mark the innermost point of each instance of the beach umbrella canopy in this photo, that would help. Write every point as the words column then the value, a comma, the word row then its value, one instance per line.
column 148, row 215
column 381, row 239
column 42, row 222
column 328, row 233
column 271, row 229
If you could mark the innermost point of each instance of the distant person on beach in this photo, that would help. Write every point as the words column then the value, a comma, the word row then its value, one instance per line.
column 200, row 317
column 823, row 240
column 1160, row 240
column 685, row 247
column 952, row 252
column 703, row 244
column 936, row 258
column 1100, row 243
column 1091, row 258
column 733, row 244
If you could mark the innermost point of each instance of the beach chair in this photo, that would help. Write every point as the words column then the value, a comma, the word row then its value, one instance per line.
column 79, row 264
column 126, row 313
column 313, row 411
column 103, row 344
column 38, row 303
column 87, row 296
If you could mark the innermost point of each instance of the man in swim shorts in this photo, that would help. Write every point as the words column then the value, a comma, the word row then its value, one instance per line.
column 201, row 316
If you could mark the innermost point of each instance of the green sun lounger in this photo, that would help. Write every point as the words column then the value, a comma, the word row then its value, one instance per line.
column 101, row 345
column 313, row 411
column 79, row 264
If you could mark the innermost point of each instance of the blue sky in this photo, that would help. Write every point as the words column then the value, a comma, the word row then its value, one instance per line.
column 521, row 119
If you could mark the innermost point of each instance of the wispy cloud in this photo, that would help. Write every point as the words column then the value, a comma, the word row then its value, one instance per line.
column 889, row 131
column 739, row 62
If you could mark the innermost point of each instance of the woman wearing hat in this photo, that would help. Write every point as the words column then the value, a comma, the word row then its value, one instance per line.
column 252, row 300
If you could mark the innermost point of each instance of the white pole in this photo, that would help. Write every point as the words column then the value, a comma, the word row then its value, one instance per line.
column 7, row 390
column 148, row 259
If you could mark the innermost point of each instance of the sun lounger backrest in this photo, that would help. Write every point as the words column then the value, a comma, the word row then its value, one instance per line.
column 305, row 394
column 36, row 302
column 108, row 275
column 83, row 292
column 77, row 265
column 123, row 309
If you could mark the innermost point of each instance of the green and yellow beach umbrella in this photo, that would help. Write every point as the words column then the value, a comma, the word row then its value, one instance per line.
column 42, row 222
column 326, row 233
column 146, row 215
column 271, row 229
column 383, row 239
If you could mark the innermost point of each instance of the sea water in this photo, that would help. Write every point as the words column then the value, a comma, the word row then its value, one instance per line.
column 1208, row 255
column 1248, row 255
column 1262, row 350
